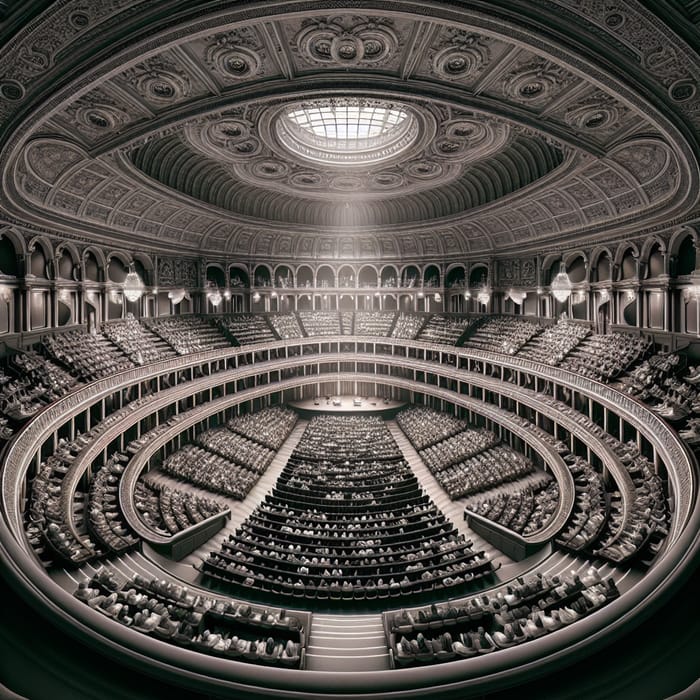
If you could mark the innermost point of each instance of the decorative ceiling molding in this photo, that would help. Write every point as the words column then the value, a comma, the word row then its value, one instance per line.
column 526, row 136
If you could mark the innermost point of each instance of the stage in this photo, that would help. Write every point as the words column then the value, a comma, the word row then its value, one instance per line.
column 347, row 406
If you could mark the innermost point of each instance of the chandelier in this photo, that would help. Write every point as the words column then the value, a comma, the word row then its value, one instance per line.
column 133, row 286
column 561, row 285
column 177, row 295
column 214, row 297
column 517, row 296
column 484, row 295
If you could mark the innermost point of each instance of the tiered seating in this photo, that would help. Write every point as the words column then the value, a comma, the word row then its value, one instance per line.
column 210, row 471
column 169, row 612
column 503, row 334
column 269, row 427
column 604, row 357
column 246, row 329
column 46, row 521
column 187, row 335
column 105, row 519
column 38, row 383
column 235, row 447
column 88, row 356
column 440, row 329
column 425, row 427
column 492, row 467
column 644, row 526
column 168, row 510
column 376, row 323
column 320, row 322
column 527, row 610
column 346, row 522
column 554, row 343
column 526, row 510
column 286, row 326
column 590, row 512
column 457, row 448
column 136, row 341
column 407, row 326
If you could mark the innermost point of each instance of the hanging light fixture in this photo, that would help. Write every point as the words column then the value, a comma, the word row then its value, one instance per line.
column 177, row 295
column 133, row 286
column 256, row 297
column 517, row 296
column 561, row 284
column 484, row 294
column 467, row 294
column 437, row 297
column 214, row 296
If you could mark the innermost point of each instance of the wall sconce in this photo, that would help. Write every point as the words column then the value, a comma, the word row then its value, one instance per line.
column 5, row 293
column 467, row 294
column 256, row 297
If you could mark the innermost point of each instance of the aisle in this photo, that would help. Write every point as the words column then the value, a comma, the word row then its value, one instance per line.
column 453, row 510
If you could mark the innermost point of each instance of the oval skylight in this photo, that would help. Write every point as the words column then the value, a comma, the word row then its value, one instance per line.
column 350, row 131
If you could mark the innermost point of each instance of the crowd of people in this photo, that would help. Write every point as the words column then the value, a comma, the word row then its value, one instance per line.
column 346, row 521
column 503, row 334
column 189, row 334
column 525, row 610
column 320, row 322
column 440, row 329
column 525, row 510
column 169, row 510
column 138, row 343
column 170, row 612
column 269, row 427
column 245, row 329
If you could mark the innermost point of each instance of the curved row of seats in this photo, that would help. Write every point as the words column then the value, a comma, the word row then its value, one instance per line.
column 168, row 510
column 527, row 610
column 526, row 510
column 346, row 521
column 169, row 612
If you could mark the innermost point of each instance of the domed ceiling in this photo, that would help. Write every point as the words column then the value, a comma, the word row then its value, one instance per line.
column 377, row 130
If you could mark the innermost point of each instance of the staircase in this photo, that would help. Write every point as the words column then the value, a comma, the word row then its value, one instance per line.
column 347, row 643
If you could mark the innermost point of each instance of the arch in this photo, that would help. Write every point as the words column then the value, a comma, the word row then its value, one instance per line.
column 432, row 276
column 238, row 275
column 304, row 276
column 325, row 276
column 262, row 275
column 626, row 259
column 145, row 267
column 16, row 238
column 368, row 276
column 576, row 266
column 456, row 275
column 389, row 276
column 655, row 259
column 478, row 274
column 410, row 276
column 94, row 265
column 117, row 266
column 67, row 260
column 41, row 258
column 346, row 276
column 283, row 276
column 683, row 251
column 215, row 273
column 600, row 269
column 12, row 251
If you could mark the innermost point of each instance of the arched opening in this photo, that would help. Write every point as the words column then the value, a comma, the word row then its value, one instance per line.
column 686, row 257
column 346, row 276
column 305, row 276
column 367, row 277
column 431, row 276
column 410, row 276
column 628, row 269
column 479, row 275
column 284, row 277
column 262, row 276
column 389, row 276
column 576, row 269
column 655, row 266
column 325, row 277
column 456, row 277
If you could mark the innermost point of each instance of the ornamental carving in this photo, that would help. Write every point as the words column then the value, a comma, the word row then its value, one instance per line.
column 535, row 82
column 347, row 41
column 464, row 55
column 236, row 55
column 159, row 81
